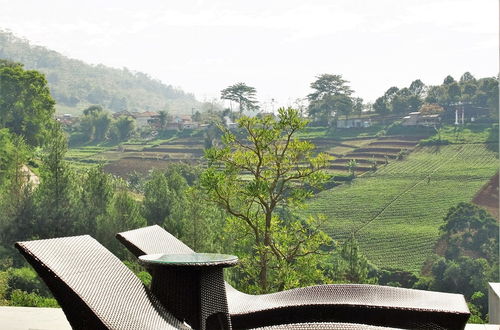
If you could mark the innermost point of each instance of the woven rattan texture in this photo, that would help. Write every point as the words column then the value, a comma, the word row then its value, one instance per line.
column 368, row 304
column 325, row 326
column 148, row 239
column 101, row 288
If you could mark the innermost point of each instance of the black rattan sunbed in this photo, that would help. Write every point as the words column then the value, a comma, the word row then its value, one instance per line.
column 348, row 303
column 94, row 288
column 97, row 291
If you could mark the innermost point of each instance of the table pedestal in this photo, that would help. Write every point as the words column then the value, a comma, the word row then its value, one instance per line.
column 194, row 294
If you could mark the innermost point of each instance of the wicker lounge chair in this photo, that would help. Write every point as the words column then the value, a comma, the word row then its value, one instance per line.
column 348, row 303
column 97, row 291
column 94, row 288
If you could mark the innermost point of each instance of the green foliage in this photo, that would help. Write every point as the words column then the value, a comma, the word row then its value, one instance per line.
column 26, row 107
column 464, row 275
column 471, row 256
column 475, row 315
column 174, row 201
column 241, row 93
column 95, row 196
column 478, row 97
column 282, row 170
column 470, row 230
column 350, row 266
column 298, row 255
column 7, row 151
column 380, row 106
column 203, row 222
column 122, row 128
column 329, row 84
column 31, row 299
column 470, row 133
column 124, row 213
column 26, row 279
column 3, row 288
column 331, row 95
column 139, row 271
column 56, row 193
column 164, row 201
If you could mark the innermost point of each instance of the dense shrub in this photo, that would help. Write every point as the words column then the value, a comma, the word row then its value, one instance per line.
column 26, row 279
column 22, row 298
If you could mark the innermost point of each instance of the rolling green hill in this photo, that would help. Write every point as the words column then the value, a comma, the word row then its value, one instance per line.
column 396, row 211
column 75, row 84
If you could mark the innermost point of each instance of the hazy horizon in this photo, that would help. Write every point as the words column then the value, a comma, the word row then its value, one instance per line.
column 277, row 47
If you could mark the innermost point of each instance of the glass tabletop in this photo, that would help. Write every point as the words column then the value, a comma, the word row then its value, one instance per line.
column 193, row 259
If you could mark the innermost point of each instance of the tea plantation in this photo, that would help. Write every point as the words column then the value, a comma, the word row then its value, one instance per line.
column 395, row 212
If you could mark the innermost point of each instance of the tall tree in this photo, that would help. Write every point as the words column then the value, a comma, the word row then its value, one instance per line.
column 352, row 266
column 380, row 106
column 123, row 128
column 329, row 84
column 282, row 169
column 343, row 104
column 242, row 94
column 358, row 106
column 26, row 107
column 94, row 198
column 467, row 77
column 417, row 88
column 331, row 95
column 55, row 195
column 95, row 123
column 165, row 200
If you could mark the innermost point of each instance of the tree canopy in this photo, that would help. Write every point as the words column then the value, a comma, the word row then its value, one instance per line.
column 281, row 171
column 26, row 107
column 242, row 94
column 477, row 96
column 331, row 95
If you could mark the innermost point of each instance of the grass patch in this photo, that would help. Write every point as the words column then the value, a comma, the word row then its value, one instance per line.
column 470, row 133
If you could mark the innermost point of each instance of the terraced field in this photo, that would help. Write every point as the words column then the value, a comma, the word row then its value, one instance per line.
column 396, row 211
column 365, row 150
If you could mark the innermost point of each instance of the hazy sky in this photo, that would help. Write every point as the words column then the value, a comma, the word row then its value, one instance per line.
column 278, row 47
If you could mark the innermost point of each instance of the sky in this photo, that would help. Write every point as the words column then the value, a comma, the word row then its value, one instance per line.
column 277, row 46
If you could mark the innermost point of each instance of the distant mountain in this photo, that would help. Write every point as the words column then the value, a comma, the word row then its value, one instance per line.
column 75, row 84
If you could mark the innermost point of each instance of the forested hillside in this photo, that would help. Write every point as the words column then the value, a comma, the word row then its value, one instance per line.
column 75, row 84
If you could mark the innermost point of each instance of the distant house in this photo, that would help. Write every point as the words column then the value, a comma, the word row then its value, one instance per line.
column 182, row 119
column 353, row 123
column 67, row 120
column 417, row 119
column 122, row 113
column 185, row 122
column 145, row 118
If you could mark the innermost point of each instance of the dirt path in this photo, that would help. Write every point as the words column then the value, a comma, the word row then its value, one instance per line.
column 487, row 197
column 32, row 177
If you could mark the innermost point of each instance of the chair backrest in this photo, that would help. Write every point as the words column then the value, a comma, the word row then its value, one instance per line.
column 94, row 288
column 151, row 240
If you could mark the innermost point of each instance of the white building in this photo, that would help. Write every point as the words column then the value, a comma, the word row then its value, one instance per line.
column 353, row 123
column 417, row 119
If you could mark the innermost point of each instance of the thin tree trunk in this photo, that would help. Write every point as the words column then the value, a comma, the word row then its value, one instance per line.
column 264, row 255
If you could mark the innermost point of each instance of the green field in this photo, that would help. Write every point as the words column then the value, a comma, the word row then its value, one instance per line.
column 396, row 212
